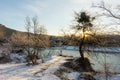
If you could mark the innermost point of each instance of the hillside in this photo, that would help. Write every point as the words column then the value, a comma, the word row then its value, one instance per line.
column 7, row 31
column 110, row 40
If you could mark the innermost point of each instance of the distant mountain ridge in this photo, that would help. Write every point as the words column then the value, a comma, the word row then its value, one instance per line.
column 7, row 31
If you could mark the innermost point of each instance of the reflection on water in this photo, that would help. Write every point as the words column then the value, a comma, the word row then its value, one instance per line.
column 97, row 59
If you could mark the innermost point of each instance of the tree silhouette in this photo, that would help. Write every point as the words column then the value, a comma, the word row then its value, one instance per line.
column 84, row 22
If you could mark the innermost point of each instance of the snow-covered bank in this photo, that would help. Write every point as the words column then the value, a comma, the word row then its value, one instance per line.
column 17, row 58
column 112, row 77
column 95, row 49
column 43, row 71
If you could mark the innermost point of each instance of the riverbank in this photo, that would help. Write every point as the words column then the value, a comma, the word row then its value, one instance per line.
column 93, row 49
column 53, row 69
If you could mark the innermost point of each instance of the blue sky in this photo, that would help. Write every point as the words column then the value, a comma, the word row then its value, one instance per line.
column 54, row 14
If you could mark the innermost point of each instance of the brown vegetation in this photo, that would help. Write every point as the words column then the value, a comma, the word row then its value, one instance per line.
column 77, row 65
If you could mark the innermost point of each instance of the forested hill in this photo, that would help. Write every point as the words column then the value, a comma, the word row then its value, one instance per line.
column 110, row 40
column 6, row 31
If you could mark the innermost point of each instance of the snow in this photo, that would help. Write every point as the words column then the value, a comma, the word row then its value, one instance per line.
column 116, row 77
column 42, row 71
column 70, row 47
column 105, row 49
column 72, row 75
column 47, row 59
column 96, row 49
column 49, row 77
column 112, row 77
column 17, row 58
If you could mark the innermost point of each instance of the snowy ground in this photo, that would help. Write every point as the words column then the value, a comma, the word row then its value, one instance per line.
column 112, row 77
column 95, row 49
column 43, row 71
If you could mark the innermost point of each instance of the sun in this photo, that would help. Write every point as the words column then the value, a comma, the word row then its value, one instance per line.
column 87, row 33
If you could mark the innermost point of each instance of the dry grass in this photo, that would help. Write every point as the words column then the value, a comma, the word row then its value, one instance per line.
column 76, row 65
column 79, row 65
column 87, row 76
column 59, row 74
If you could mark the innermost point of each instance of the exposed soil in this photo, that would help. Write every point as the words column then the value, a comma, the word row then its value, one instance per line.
column 79, row 65
column 4, row 60
column 87, row 76
column 59, row 74
column 87, row 72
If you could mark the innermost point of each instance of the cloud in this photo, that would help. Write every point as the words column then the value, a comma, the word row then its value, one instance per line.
column 113, row 2
column 36, row 6
column 81, row 1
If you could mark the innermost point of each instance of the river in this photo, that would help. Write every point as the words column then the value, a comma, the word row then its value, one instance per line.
column 99, row 60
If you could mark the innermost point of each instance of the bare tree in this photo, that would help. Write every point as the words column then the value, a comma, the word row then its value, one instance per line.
column 37, row 38
column 28, row 29
column 69, row 38
column 115, row 16
column 84, row 23
column 109, row 12
column 18, row 39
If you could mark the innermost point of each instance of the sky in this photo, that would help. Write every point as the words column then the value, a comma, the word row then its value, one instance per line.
column 54, row 14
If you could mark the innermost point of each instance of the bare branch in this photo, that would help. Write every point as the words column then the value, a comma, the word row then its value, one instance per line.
column 110, row 13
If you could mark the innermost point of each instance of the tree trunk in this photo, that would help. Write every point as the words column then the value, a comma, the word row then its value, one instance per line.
column 81, row 43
